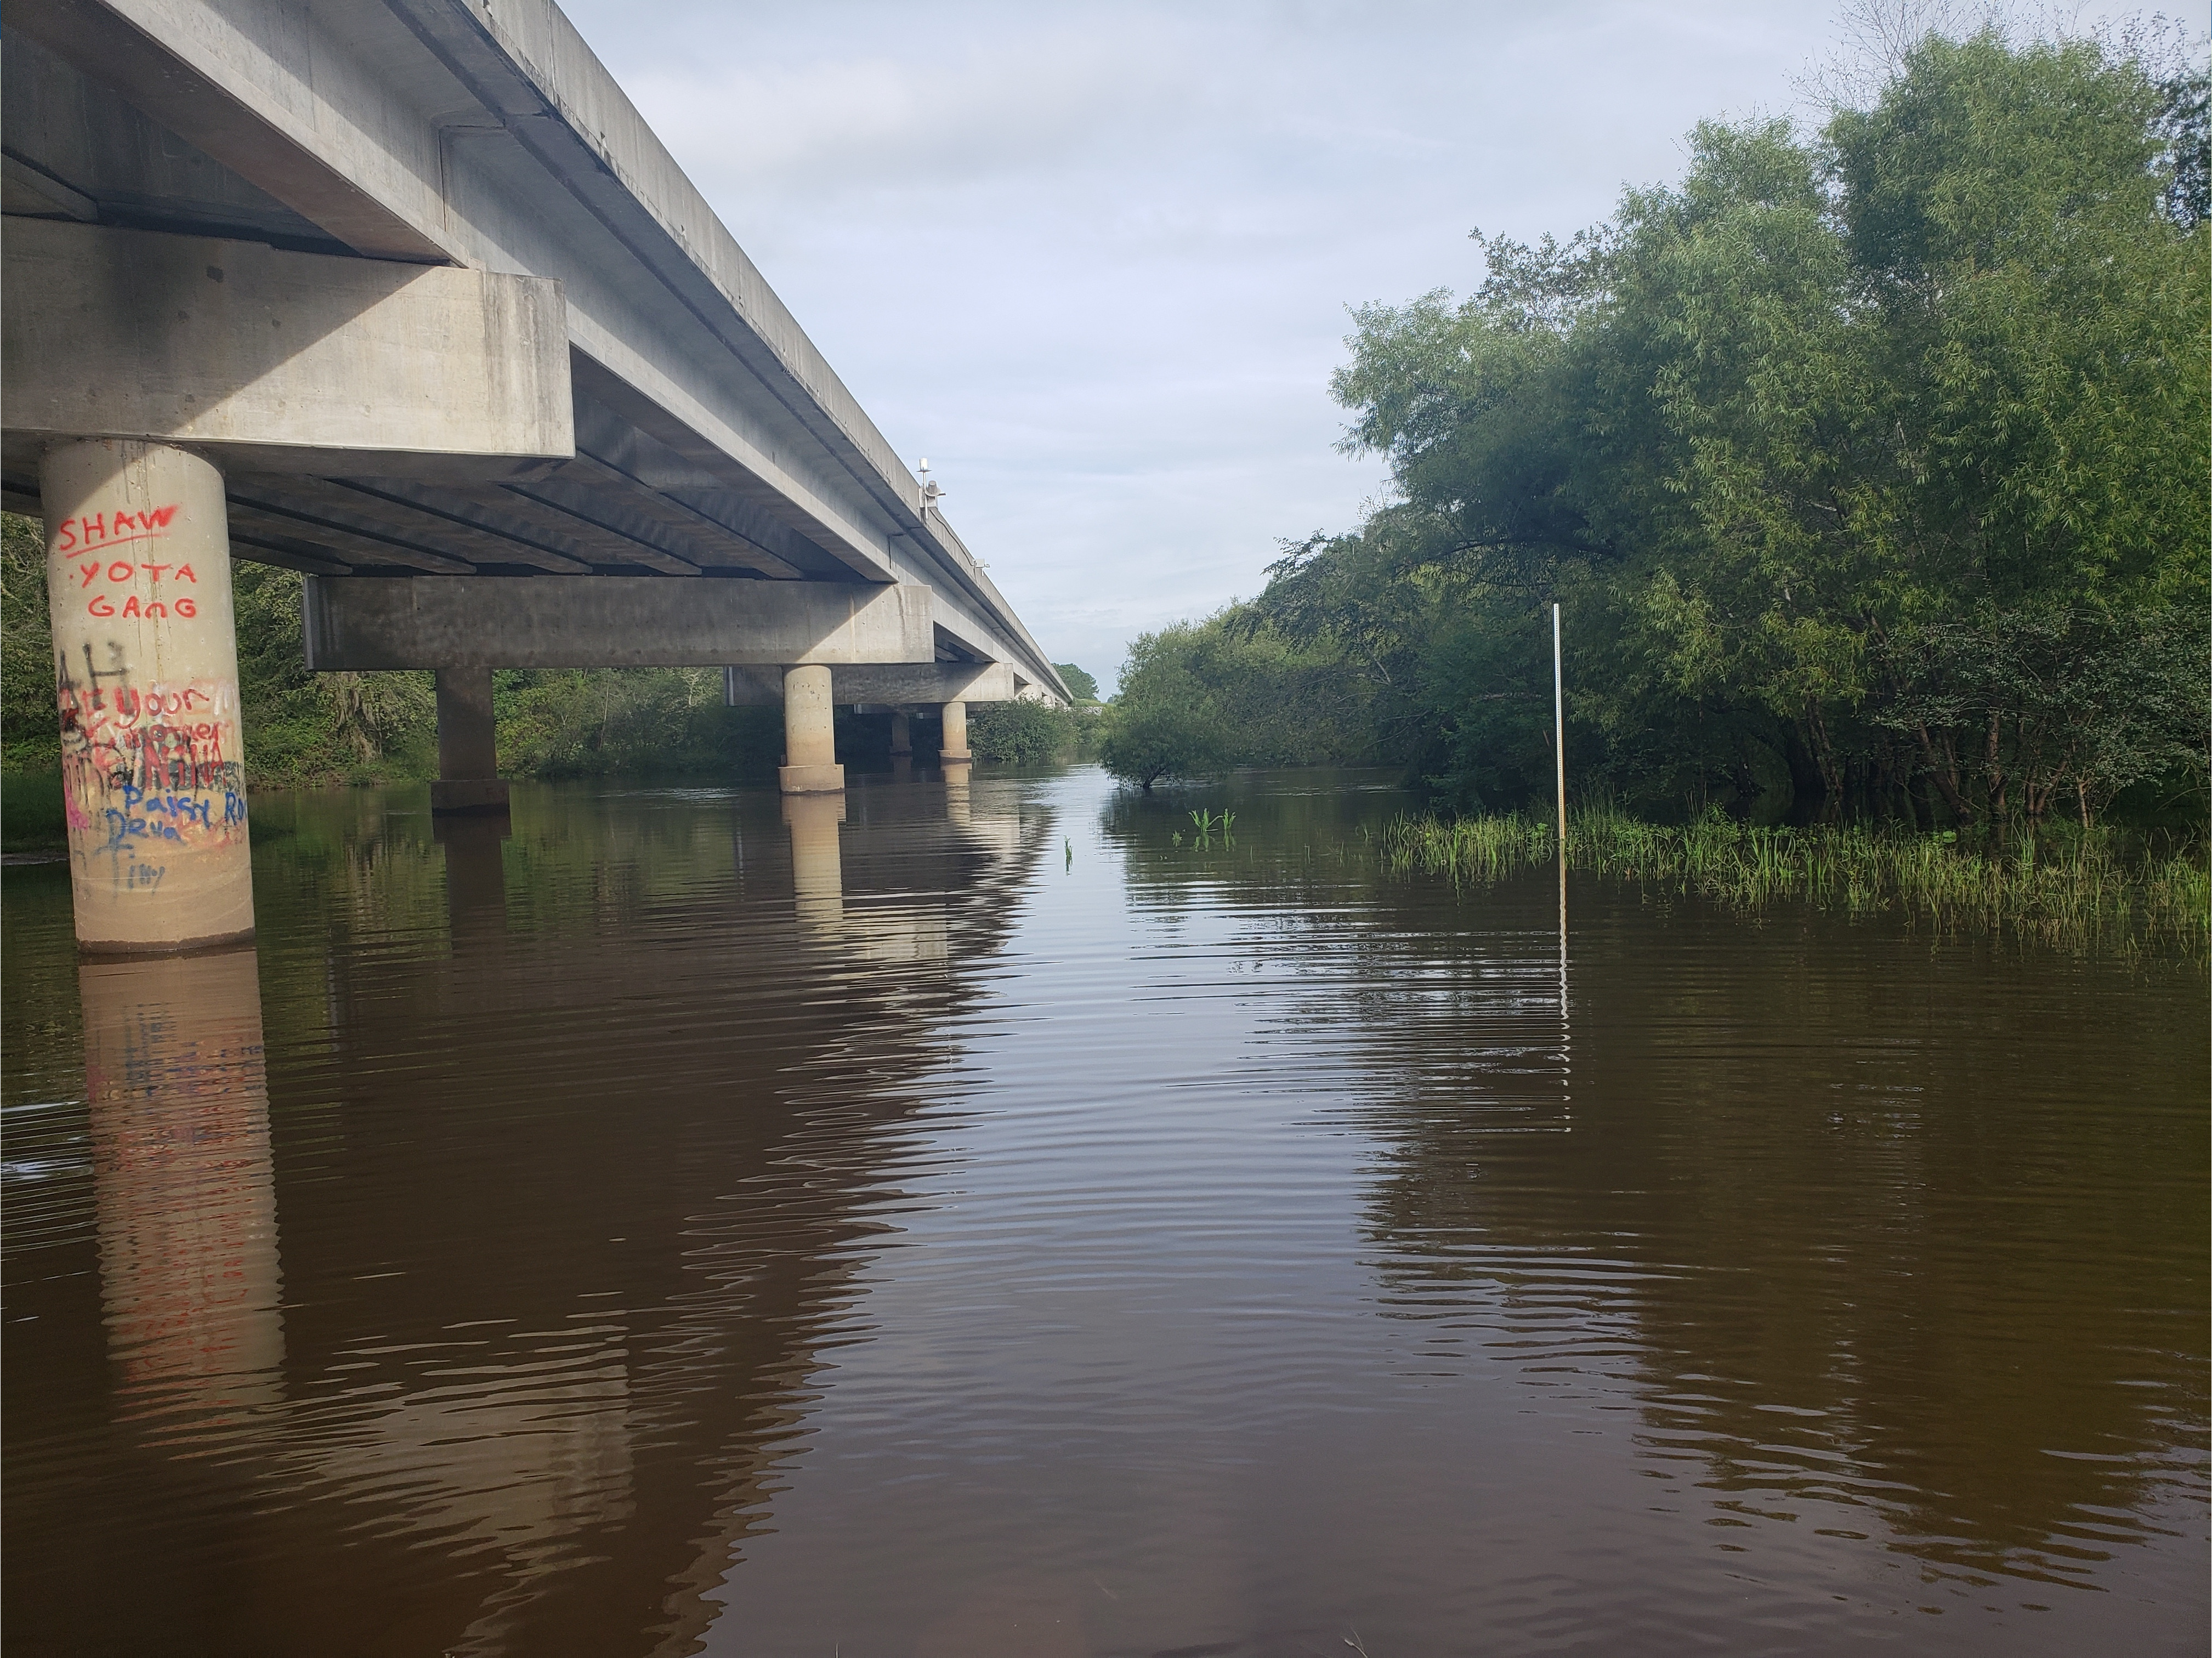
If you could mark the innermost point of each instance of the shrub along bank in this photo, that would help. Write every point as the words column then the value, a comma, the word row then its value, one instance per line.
column 1028, row 733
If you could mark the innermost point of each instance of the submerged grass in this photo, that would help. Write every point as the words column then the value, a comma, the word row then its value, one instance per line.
column 2075, row 891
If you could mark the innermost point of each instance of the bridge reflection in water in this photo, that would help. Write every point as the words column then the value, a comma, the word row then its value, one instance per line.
column 710, row 1227
column 575, row 1210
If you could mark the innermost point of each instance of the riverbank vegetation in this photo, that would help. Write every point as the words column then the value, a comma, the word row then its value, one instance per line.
column 2071, row 890
column 1868, row 466
column 1204, row 695
column 305, row 728
column 1030, row 733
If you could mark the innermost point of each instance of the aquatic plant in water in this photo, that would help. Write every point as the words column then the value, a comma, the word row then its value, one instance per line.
column 2071, row 890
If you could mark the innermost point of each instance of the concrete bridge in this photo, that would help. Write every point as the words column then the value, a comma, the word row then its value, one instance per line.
column 406, row 295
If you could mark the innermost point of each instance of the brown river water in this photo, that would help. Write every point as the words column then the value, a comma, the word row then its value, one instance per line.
column 988, row 1227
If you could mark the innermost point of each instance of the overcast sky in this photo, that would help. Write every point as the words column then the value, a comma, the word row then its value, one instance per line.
column 1094, row 260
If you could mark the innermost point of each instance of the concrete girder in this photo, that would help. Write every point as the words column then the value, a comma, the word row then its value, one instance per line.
column 25, row 189
column 661, row 474
column 358, row 530
column 296, row 522
column 323, row 107
column 374, row 623
column 884, row 683
column 589, row 492
column 196, row 75
column 696, row 418
column 276, row 361
column 610, row 525
column 127, row 167
column 496, row 525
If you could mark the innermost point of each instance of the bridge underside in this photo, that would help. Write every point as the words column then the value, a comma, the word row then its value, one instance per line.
column 401, row 421
column 479, row 380
column 403, row 294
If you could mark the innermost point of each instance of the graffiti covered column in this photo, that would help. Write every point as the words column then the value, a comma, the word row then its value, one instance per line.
column 146, row 666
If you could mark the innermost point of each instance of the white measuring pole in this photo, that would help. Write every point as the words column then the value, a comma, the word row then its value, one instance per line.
column 1560, row 729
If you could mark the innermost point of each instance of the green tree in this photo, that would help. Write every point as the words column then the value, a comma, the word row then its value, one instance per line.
column 30, row 717
column 1231, row 690
column 1162, row 721
column 1022, row 733
column 1081, row 685
column 303, row 726
column 1867, row 466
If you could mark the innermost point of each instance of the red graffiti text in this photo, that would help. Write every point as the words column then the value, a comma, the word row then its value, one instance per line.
column 111, row 528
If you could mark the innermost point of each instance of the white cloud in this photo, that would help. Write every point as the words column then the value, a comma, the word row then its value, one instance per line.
column 1094, row 260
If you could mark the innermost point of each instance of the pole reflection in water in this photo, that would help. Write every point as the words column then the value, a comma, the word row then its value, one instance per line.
column 889, row 928
column 185, row 1191
column 1559, row 757
column 1566, row 1029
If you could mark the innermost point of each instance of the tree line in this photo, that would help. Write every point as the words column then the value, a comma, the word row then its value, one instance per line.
column 307, row 728
column 1868, row 464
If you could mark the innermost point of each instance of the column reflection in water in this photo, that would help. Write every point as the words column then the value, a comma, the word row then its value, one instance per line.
column 476, row 875
column 184, row 1189
column 817, row 871
column 883, row 929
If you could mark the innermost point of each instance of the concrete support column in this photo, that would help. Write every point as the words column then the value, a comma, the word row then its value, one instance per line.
column 954, row 745
column 901, row 739
column 809, row 733
column 146, row 670
column 468, row 746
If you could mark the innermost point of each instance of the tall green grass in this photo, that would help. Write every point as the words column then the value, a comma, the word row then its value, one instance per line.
column 2074, row 891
